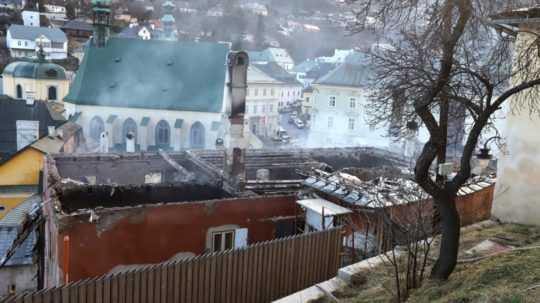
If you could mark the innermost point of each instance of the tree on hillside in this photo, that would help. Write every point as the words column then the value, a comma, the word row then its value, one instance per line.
column 442, row 55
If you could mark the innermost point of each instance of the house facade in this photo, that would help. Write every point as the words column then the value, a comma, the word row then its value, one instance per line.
column 262, row 99
column 338, row 114
column 23, row 41
column 290, row 88
column 519, row 166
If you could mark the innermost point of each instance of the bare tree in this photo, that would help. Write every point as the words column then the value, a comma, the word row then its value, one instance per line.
column 441, row 54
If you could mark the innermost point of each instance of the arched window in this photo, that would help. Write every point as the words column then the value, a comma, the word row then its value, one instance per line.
column 96, row 128
column 130, row 126
column 19, row 92
column 197, row 136
column 163, row 133
column 52, row 93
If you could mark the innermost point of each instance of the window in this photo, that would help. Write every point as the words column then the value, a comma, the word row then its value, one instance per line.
column 247, row 92
column 52, row 93
column 19, row 92
column 332, row 102
column 307, row 99
column 256, row 92
column 351, row 123
column 223, row 240
column 353, row 103
column 197, row 135
column 271, row 108
column 272, row 92
column 330, row 122
column 96, row 128
column 264, row 92
column 255, row 108
column 19, row 43
column 2, row 208
column 163, row 133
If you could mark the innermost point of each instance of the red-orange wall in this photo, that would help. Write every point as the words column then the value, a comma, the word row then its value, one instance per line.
column 155, row 234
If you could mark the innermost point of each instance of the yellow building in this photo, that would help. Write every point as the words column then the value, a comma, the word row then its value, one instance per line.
column 39, row 80
column 19, row 178
column 20, row 173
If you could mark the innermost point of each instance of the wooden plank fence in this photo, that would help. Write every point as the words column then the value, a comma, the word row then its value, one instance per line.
column 258, row 273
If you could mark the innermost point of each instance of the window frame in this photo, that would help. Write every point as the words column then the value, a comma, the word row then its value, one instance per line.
column 222, row 239
column 332, row 101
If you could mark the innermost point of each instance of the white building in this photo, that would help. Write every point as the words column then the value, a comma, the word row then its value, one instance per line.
column 55, row 12
column 177, row 100
column 30, row 18
column 290, row 89
column 338, row 112
column 23, row 41
column 263, row 95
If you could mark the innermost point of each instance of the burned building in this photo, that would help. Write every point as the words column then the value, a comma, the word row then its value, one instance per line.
column 381, row 209
column 106, row 212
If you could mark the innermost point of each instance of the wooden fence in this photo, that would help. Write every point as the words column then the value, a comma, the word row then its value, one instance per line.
column 259, row 273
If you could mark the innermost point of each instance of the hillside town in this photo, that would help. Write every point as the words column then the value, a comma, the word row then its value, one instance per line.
column 268, row 151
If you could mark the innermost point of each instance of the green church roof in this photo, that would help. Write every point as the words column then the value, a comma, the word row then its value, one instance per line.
column 154, row 74
column 35, row 70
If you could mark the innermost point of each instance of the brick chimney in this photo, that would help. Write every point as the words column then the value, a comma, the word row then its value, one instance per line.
column 235, row 151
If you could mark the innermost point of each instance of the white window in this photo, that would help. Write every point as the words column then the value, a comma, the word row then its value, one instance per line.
column 332, row 102
column 271, row 108
column 272, row 92
column 353, row 103
column 264, row 92
column 263, row 108
column 19, row 43
column 255, row 108
column 152, row 178
column 330, row 122
column 307, row 99
column 247, row 92
column 351, row 123
column 222, row 240
column 256, row 92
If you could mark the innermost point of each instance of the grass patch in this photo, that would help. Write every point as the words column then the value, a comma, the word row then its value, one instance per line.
column 499, row 279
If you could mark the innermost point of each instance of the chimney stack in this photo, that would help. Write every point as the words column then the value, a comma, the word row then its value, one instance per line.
column 236, row 149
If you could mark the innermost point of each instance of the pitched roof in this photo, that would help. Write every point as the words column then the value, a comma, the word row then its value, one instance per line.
column 352, row 73
column 32, row 33
column 184, row 76
column 12, row 110
column 275, row 71
column 24, row 253
column 255, row 75
column 78, row 25
column 16, row 215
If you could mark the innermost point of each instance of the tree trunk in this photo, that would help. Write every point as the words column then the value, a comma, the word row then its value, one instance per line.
column 450, row 227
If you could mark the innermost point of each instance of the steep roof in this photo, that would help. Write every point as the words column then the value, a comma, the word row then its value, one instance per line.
column 78, row 25
column 35, row 70
column 275, row 71
column 155, row 74
column 255, row 75
column 32, row 33
column 353, row 73
column 12, row 110
column 24, row 253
